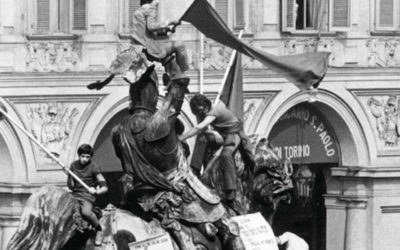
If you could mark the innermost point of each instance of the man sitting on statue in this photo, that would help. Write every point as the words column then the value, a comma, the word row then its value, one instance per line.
column 153, row 35
column 231, row 129
column 158, row 46
column 88, row 171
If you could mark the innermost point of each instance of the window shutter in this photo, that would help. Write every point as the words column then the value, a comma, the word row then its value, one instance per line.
column 221, row 6
column 288, row 15
column 133, row 6
column 43, row 15
column 385, row 14
column 239, row 14
column 340, row 15
column 79, row 17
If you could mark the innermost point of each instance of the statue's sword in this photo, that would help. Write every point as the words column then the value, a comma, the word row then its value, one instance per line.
column 3, row 112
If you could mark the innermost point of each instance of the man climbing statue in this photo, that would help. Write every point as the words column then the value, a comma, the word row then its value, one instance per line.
column 231, row 129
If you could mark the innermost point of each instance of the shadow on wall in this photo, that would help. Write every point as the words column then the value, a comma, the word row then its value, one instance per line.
column 109, row 163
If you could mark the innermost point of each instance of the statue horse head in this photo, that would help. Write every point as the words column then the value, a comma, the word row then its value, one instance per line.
column 272, row 181
column 143, row 94
column 261, row 190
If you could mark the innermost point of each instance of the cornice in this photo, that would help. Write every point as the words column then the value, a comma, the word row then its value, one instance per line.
column 13, row 188
column 250, row 76
column 366, row 172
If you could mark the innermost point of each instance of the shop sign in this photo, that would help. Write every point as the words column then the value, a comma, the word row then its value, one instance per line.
column 304, row 136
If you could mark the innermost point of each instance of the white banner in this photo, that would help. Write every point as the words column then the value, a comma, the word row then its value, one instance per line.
column 255, row 232
column 160, row 242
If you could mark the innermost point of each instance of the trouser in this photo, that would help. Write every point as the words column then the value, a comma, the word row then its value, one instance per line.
column 87, row 212
column 179, row 49
column 227, row 161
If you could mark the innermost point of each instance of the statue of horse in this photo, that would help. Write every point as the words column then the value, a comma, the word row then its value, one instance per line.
column 259, row 191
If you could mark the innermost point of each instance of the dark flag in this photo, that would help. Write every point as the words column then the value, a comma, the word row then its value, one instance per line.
column 304, row 70
column 232, row 93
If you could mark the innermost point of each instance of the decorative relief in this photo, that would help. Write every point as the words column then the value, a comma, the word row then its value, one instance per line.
column 51, row 56
column 56, row 122
column 216, row 56
column 337, row 50
column 335, row 47
column 386, row 110
column 52, row 125
column 383, row 53
column 250, row 108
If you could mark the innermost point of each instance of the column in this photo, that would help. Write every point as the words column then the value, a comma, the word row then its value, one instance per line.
column 356, row 236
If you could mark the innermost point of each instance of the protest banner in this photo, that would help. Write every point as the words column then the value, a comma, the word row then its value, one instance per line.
column 255, row 232
column 162, row 241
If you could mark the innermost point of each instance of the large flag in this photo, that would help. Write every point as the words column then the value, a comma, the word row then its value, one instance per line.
column 304, row 70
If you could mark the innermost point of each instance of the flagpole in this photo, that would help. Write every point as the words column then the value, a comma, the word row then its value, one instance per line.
column 3, row 112
column 201, row 83
column 221, row 88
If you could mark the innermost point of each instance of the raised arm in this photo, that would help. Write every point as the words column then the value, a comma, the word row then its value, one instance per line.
column 152, row 23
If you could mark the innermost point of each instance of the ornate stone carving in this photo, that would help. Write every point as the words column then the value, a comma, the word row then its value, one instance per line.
column 385, row 110
column 310, row 45
column 216, row 56
column 52, row 125
column 296, row 46
column 383, row 53
column 290, row 47
column 392, row 57
column 250, row 106
column 336, row 58
column 51, row 56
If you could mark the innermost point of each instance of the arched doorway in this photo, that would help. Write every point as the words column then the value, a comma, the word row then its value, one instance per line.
column 303, row 135
column 108, row 161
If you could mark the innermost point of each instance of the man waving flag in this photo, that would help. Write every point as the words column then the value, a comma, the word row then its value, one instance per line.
column 306, row 70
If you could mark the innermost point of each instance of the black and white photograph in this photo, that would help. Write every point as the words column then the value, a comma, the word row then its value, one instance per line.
column 199, row 124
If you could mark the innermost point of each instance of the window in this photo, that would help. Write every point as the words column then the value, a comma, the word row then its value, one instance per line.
column 79, row 15
column 387, row 15
column 60, row 16
column 232, row 12
column 315, row 15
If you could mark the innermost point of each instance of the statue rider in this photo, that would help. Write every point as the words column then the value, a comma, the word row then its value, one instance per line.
column 152, row 34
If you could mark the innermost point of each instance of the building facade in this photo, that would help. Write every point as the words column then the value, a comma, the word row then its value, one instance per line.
column 344, row 145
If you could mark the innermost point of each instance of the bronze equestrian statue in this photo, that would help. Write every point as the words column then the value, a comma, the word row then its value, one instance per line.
column 163, row 185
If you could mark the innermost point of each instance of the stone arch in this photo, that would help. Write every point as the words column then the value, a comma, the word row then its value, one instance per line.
column 13, row 162
column 12, row 153
column 357, row 145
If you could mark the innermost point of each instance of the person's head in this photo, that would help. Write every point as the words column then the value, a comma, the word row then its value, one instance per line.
column 200, row 104
column 85, row 153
